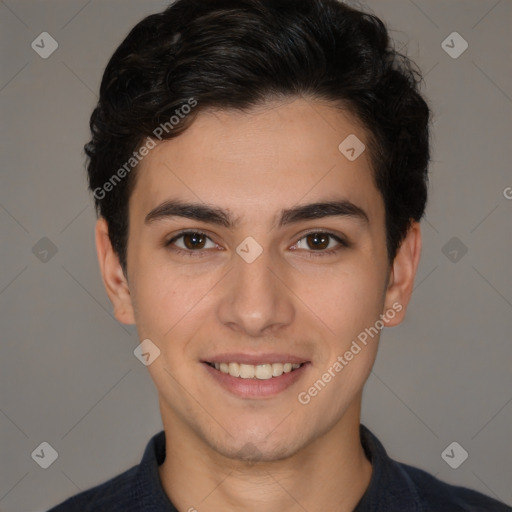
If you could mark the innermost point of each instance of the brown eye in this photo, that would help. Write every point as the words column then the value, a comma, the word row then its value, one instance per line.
column 190, row 242
column 318, row 243
column 318, row 240
column 194, row 240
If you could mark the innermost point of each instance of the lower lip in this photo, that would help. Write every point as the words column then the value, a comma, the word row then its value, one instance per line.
column 256, row 388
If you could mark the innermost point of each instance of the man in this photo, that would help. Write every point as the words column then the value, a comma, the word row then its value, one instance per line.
column 260, row 169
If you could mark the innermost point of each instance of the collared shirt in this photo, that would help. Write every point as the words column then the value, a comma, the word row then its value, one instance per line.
column 394, row 487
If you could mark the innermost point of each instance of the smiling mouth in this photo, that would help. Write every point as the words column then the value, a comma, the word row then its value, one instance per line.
column 257, row 371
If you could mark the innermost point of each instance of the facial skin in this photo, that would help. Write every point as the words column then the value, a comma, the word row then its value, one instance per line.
column 271, row 452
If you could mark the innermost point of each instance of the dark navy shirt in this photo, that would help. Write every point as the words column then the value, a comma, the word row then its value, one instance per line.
column 394, row 487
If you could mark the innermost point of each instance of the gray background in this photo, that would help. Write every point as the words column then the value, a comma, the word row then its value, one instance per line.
column 68, row 375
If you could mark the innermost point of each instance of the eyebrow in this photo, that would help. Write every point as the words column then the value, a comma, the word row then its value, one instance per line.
column 214, row 215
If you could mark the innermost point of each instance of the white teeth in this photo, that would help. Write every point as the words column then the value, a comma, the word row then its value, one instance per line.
column 263, row 371
column 247, row 371
column 260, row 371
column 277, row 369
column 234, row 369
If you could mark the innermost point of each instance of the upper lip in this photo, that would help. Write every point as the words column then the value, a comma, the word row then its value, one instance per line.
column 255, row 359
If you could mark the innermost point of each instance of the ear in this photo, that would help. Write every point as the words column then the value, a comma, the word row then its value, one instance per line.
column 401, row 278
column 112, row 274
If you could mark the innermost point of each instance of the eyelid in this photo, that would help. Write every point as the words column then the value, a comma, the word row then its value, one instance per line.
column 188, row 232
column 342, row 243
column 339, row 237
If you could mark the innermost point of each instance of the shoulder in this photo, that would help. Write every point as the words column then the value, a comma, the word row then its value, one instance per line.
column 112, row 495
column 136, row 490
column 396, row 486
column 442, row 496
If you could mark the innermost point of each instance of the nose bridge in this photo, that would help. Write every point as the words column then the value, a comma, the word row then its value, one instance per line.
column 255, row 300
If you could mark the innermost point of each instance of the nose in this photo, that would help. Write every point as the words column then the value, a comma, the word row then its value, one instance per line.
column 256, row 300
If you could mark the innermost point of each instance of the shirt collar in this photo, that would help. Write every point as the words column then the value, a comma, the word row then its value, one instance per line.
column 148, row 490
column 390, row 486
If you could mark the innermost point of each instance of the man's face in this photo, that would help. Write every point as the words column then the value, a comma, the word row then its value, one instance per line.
column 214, row 298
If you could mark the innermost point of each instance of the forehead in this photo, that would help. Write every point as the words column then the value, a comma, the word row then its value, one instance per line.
column 262, row 160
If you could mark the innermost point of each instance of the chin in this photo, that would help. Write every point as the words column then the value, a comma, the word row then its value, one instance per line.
column 263, row 443
column 253, row 452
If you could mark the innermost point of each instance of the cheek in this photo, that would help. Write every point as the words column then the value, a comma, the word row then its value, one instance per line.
column 343, row 301
column 349, row 306
column 170, row 303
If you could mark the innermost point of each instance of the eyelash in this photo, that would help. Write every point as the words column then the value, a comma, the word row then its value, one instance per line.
column 314, row 254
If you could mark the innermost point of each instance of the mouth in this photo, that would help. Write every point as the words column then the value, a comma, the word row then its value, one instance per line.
column 264, row 371
column 263, row 379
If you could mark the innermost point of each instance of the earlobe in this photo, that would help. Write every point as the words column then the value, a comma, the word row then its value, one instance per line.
column 401, row 279
column 112, row 274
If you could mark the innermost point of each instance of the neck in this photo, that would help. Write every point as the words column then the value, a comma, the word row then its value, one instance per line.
column 330, row 473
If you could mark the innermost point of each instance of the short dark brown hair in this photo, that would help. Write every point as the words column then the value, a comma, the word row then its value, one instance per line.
column 236, row 54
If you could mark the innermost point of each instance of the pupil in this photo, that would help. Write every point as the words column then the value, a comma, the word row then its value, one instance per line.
column 316, row 237
column 196, row 239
